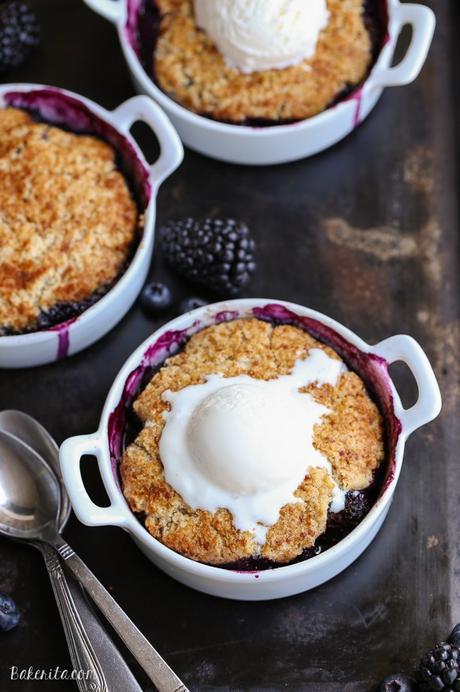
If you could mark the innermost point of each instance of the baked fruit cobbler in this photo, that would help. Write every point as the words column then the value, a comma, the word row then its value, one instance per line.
column 68, row 222
column 240, row 62
column 256, row 447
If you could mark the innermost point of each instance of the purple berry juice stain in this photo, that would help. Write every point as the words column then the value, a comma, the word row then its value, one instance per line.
column 357, row 97
column 380, row 41
column 226, row 316
column 63, row 334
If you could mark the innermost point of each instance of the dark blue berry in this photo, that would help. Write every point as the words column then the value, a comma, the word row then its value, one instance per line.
column 216, row 253
column 357, row 505
column 61, row 312
column 192, row 303
column 449, row 676
column 441, row 653
column 19, row 33
column 397, row 683
column 440, row 669
column 156, row 298
column 454, row 638
column 9, row 614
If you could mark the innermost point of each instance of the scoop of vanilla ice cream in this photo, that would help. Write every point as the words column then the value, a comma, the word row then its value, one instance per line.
column 247, row 438
column 256, row 35
column 246, row 444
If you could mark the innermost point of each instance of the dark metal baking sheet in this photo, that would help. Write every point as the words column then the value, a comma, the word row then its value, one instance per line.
column 366, row 232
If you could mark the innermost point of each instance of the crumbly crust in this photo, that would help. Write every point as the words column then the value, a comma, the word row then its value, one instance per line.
column 67, row 218
column 351, row 437
column 189, row 67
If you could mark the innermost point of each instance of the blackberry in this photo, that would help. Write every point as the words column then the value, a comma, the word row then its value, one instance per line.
column 19, row 33
column 357, row 505
column 440, row 669
column 216, row 253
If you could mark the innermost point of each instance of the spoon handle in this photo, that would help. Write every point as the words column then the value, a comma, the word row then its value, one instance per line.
column 149, row 659
column 83, row 657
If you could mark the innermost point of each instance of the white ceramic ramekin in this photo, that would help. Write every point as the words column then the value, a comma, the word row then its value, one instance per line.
column 370, row 361
column 82, row 115
column 279, row 144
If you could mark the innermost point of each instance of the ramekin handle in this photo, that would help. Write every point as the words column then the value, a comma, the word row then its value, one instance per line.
column 171, row 149
column 428, row 405
column 87, row 511
column 423, row 22
column 109, row 9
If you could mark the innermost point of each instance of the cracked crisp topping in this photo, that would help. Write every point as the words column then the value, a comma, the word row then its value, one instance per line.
column 188, row 66
column 67, row 219
column 351, row 437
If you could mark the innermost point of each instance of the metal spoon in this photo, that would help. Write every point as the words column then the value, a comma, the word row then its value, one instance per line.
column 114, row 668
column 29, row 510
column 81, row 651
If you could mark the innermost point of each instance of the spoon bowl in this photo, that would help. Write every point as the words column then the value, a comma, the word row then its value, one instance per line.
column 29, row 492
column 31, row 433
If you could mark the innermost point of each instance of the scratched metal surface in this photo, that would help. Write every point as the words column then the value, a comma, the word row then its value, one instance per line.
column 368, row 233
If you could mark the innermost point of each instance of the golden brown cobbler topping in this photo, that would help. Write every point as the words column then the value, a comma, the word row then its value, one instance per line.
column 67, row 218
column 188, row 66
column 351, row 437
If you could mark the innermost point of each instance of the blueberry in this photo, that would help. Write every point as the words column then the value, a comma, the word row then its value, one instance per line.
column 9, row 614
column 397, row 683
column 156, row 298
column 191, row 303
column 454, row 638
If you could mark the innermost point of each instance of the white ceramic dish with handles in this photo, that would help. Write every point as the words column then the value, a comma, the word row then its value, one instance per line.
column 80, row 114
column 282, row 143
column 370, row 361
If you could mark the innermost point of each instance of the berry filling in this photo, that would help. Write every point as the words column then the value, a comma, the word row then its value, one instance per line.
column 339, row 525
